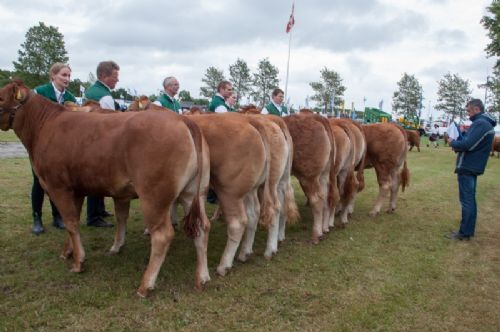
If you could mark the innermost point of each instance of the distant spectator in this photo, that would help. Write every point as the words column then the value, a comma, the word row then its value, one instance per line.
column 276, row 106
column 218, row 102
column 167, row 98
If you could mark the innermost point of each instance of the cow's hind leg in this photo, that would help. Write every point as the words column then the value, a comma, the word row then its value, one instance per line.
column 394, row 192
column 157, row 217
column 317, row 201
column 122, row 207
column 252, row 206
column 384, row 184
column 69, row 207
column 201, row 241
column 236, row 219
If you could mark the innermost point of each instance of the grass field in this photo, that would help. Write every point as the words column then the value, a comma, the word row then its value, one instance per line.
column 392, row 273
column 8, row 136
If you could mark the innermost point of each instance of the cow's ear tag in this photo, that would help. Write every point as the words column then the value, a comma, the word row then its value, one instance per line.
column 19, row 95
column 141, row 106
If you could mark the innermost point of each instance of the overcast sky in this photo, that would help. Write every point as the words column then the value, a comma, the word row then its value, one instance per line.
column 370, row 43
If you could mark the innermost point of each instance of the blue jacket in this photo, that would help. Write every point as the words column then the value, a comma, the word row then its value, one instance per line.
column 474, row 146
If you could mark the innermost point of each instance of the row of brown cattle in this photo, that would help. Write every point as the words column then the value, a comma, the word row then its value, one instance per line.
column 496, row 147
column 163, row 158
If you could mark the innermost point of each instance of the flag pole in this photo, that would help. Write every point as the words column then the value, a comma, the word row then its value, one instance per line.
column 288, row 64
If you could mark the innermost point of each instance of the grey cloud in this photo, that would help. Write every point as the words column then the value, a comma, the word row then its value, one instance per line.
column 343, row 36
column 450, row 38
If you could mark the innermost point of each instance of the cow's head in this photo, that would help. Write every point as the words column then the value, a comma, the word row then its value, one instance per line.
column 12, row 96
column 194, row 110
column 306, row 111
column 140, row 104
column 249, row 109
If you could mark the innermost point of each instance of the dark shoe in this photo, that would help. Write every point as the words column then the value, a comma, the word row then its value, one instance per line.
column 457, row 236
column 37, row 228
column 57, row 222
column 106, row 214
column 99, row 222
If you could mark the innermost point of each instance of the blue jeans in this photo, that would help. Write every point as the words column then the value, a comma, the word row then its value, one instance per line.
column 467, row 192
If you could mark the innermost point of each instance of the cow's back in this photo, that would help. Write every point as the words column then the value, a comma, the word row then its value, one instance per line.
column 311, row 145
column 236, row 148
column 102, row 153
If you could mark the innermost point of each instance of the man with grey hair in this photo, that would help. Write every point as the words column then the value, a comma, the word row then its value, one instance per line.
column 473, row 149
column 167, row 98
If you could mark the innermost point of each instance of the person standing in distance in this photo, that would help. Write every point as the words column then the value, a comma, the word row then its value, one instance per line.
column 231, row 102
column 473, row 149
column 218, row 103
column 56, row 91
column 276, row 106
column 167, row 98
column 107, row 77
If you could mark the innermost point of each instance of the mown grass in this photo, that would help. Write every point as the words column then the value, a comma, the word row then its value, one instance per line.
column 395, row 272
column 8, row 136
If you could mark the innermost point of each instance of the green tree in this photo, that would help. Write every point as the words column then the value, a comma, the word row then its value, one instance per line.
column 239, row 76
column 212, row 78
column 453, row 93
column 5, row 77
column 264, row 81
column 492, row 24
column 43, row 47
column 493, row 86
column 330, row 85
column 74, row 86
column 407, row 100
column 185, row 95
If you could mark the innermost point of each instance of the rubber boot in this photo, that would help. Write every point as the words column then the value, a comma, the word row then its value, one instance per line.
column 37, row 228
column 57, row 222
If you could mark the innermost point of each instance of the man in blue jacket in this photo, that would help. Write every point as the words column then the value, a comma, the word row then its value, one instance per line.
column 473, row 149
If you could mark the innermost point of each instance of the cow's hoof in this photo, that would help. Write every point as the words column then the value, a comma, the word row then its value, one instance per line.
column 113, row 251
column 77, row 268
column 66, row 255
column 201, row 284
column 390, row 210
column 315, row 240
column 142, row 293
column 269, row 254
column 373, row 214
column 222, row 271
column 243, row 257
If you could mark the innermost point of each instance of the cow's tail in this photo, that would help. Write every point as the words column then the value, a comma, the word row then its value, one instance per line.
column 291, row 209
column 333, row 191
column 404, row 177
column 360, row 173
column 193, row 219
column 349, row 189
column 268, row 203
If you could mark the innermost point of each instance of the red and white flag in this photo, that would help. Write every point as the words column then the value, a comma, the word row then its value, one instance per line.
column 291, row 21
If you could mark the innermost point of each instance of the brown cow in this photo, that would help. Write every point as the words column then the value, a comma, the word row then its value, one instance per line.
column 496, row 147
column 314, row 153
column 239, row 166
column 279, row 180
column 386, row 152
column 354, row 153
column 122, row 155
column 281, row 146
column 413, row 138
